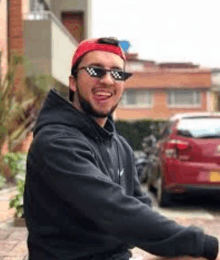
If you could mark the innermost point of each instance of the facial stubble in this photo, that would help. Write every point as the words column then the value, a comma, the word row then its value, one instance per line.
column 87, row 107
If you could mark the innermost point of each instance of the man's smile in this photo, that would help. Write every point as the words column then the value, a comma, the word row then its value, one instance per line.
column 102, row 94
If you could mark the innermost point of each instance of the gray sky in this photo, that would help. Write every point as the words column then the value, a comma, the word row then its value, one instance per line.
column 163, row 30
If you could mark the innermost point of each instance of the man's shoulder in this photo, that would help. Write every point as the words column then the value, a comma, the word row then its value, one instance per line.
column 54, row 132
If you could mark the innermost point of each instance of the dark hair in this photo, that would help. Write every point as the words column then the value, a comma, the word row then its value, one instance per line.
column 74, row 74
column 109, row 40
column 105, row 40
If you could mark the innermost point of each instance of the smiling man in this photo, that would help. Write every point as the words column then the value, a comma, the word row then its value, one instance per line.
column 98, row 82
column 82, row 196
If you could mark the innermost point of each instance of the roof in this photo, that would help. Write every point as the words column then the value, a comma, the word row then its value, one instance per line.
column 193, row 115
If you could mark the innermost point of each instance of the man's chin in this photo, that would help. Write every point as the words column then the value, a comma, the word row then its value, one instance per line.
column 99, row 114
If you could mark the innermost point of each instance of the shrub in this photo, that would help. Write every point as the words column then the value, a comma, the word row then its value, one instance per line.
column 16, row 163
column 18, row 166
column 135, row 131
column 2, row 181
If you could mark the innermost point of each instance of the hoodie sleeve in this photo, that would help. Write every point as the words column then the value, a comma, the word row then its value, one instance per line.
column 71, row 171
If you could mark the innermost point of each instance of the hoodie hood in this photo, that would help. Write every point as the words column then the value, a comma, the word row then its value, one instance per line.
column 57, row 110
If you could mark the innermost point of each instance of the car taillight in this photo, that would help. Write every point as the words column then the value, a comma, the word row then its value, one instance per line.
column 175, row 148
column 180, row 145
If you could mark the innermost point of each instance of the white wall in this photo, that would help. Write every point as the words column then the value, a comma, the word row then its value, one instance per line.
column 62, row 52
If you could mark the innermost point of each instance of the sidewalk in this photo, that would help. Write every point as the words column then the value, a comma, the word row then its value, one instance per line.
column 13, row 239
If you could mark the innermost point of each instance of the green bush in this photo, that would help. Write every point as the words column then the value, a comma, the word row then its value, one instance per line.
column 17, row 201
column 17, row 164
column 2, row 181
column 135, row 131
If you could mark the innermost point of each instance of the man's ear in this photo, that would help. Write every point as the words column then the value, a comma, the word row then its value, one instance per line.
column 72, row 83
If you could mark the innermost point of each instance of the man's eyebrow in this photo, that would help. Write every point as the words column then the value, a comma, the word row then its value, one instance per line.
column 102, row 66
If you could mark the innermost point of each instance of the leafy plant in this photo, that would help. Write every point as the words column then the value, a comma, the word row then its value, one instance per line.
column 17, row 201
column 2, row 181
column 16, row 162
column 19, row 107
column 18, row 167
column 135, row 131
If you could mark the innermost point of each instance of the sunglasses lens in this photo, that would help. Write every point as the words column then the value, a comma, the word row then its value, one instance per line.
column 95, row 72
column 127, row 75
column 117, row 74
column 120, row 75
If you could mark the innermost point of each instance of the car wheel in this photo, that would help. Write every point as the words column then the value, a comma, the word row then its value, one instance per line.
column 149, row 178
column 163, row 197
column 143, row 175
column 139, row 168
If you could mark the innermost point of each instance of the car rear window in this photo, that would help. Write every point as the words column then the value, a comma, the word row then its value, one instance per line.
column 199, row 127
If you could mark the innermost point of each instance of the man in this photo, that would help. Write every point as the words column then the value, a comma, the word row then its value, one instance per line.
column 82, row 196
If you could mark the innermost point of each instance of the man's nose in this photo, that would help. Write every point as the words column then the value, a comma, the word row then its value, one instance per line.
column 107, row 79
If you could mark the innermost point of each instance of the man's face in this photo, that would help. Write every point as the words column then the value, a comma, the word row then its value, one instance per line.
column 98, row 97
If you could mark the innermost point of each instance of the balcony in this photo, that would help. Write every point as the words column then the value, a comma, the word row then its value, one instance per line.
column 48, row 46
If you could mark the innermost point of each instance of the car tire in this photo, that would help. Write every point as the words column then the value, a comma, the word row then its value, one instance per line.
column 149, row 179
column 163, row 197
column 144, row 174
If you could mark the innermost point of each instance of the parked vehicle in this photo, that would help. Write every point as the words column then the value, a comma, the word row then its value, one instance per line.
column 188, row 156
column 140, row 163
column 144, row 163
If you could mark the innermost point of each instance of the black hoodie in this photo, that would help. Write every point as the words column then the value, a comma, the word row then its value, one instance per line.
column 83, row 198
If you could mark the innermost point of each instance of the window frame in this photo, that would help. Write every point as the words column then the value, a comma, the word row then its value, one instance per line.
column 173, row 105
column 138, row 106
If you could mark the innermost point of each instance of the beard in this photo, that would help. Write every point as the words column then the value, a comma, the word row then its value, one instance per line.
column 88, row 109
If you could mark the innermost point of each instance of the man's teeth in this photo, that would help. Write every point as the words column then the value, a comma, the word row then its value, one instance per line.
column 103, row 94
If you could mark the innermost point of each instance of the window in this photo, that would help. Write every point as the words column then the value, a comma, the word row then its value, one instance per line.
column 139, row 98
column 184, row 98
column 203, row 127
column 37, row 6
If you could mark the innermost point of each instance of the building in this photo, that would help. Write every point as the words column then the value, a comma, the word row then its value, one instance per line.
column 46, row 33
column 3, row 38
column 215, row 90
column 160, row 90
column 52, row 29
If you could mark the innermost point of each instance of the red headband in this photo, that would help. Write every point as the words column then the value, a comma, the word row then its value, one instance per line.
column 93, row 45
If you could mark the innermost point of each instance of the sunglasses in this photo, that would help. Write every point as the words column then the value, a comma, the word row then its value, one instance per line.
column 100, row 72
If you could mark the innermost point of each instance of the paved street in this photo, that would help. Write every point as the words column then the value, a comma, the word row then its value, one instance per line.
column 12, row 239
column 204, row 212
column 199, row 207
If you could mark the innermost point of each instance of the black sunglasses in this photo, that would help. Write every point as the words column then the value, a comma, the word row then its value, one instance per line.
column 100, row 72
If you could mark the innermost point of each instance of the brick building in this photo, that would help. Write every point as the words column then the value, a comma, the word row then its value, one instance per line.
column 3, row 38
column 47, row 32
column 160, row 90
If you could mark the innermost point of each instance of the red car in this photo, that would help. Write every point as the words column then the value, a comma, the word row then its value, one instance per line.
column 188, row 156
